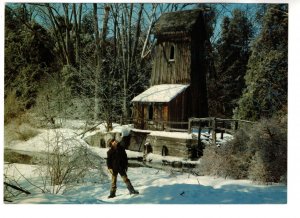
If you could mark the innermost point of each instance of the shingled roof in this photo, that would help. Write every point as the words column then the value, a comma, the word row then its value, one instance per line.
column 182, row 21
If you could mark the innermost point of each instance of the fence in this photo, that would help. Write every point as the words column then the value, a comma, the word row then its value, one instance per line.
column 212, row 124
column 216, row 125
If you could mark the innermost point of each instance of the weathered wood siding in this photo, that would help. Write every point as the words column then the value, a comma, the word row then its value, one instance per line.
column 178, row 109
column 175, row 111
column 175, row 146
column 198, row 89
column 188, row 67
column 138, row 115
column 177, row 71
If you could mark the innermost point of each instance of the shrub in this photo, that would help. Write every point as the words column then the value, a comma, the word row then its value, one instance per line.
column 269, row 145
column 13, row 108
column 67, row 163
column 230, row 160
column 258, row 153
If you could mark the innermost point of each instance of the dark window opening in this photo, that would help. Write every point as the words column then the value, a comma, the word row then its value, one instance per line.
column 164, row 151
column 172, row 53
column 148, row 148
column 150, row 112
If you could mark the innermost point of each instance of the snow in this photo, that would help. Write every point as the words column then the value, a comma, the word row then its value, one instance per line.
column 160, row 93
column 160, row 187
column 124, row 129
column 43, row 141
column 156, row 186
column 177, row 135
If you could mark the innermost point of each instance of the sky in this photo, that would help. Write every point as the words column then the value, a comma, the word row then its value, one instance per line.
column 225, row 10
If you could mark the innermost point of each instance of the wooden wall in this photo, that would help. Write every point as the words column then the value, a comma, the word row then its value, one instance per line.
column 175, row 147
column 188, row 67
column 175, row 110
column 141, row 115
column 171, row 72
column 198, row 88
column 178, row 109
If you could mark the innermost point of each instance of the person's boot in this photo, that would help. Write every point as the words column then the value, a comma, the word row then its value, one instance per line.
column 112, row 194
column 131, row 189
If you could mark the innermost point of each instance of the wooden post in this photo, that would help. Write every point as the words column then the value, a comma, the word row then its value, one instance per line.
column 214, row 133
column 223, row 129
column 236, row 125
column 190, row 125
column 199, row 135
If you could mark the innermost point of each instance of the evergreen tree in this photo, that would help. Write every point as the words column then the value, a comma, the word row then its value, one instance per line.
column 266, row 77
column 232, row 53
column 28, row 54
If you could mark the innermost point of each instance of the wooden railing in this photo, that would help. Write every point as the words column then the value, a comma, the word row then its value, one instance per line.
column 216, row 125
column 212, row 124
column 170, row 126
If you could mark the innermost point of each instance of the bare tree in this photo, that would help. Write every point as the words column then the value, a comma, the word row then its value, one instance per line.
column 77, row 29
column 127, row 26
column 100, row 55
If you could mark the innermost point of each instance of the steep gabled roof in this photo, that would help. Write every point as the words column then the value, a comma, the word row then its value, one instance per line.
column 160, row 93
column 182, row 21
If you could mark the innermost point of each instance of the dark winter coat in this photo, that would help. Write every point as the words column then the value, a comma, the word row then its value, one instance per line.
column 117, row 159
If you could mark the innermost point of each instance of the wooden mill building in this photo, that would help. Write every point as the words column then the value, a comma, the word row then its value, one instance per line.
column 178, row 79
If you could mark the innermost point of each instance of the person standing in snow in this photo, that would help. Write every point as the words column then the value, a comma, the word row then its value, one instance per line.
column 117, row 163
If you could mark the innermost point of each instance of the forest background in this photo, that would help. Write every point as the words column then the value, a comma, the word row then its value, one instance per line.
column 87, row 61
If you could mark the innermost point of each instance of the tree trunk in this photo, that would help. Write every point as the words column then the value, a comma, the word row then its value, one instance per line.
column 98, row 67
column 58, row 34
column 100, row 54
column 77, row 22
column 69, row 45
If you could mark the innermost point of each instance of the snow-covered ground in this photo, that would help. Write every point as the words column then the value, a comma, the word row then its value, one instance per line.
column 156, row 186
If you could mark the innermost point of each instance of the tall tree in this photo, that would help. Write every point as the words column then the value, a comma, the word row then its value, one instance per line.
column 28, row 54
column 232, row 53
column 100, row 44
column 127, row 26
column 266, row 77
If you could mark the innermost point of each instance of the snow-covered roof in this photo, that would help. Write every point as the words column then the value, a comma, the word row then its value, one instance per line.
column 160, row 93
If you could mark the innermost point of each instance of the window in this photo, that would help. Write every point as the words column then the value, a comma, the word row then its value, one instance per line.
column 150, row 112
column 172, row 53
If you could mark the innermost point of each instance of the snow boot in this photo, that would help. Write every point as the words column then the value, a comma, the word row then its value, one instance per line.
column 131, row 189
column 112, row 194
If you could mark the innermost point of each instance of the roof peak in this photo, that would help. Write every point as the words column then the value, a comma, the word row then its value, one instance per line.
column 178, row 21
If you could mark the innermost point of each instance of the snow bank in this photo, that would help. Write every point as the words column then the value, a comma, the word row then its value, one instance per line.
column 48, row 140
column 177, row 135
